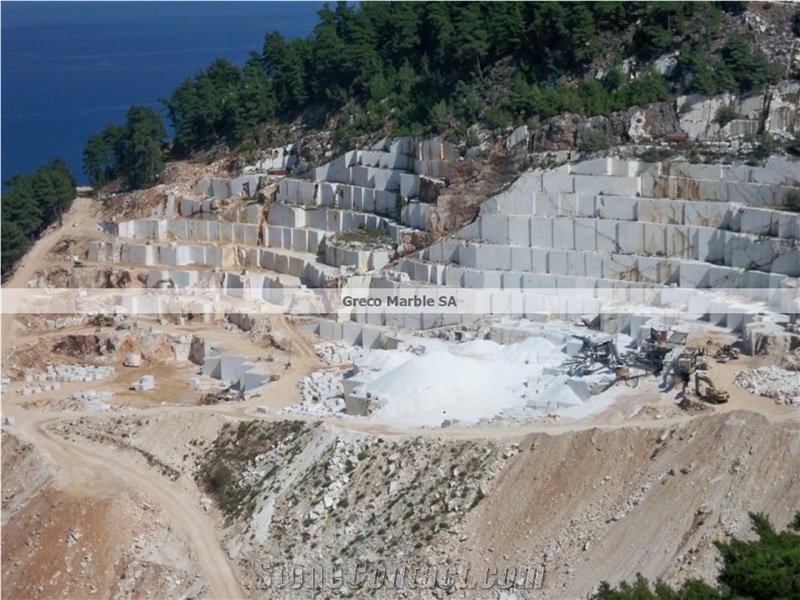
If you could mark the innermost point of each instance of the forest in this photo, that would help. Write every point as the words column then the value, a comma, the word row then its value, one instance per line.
column 430, row 68
column 30, row 205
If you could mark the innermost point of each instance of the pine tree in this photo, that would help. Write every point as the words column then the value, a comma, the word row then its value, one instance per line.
column 140, row 157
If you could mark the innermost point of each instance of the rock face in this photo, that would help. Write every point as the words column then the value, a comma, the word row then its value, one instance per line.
column 569, row 131
column 769, row 339
column 773, row 111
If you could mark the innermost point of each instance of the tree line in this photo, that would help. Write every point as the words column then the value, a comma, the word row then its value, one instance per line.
column 428, row 67
column 30, row 205
column 432, row 67
column 133, row 151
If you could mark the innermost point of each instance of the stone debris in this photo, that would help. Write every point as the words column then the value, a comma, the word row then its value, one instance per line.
column 338, row 353
column 322, row 392
column 146, row 383
column 133, row 359
column 70, row 373
column 772, row 382
column 91, row 400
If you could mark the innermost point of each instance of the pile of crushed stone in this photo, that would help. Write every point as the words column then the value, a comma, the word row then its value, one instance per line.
column 771, row 382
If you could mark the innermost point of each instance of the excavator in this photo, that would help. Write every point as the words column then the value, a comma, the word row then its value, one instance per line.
column 712, row 395
column 726, row 353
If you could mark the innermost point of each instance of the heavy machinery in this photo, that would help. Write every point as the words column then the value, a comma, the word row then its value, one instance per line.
column 711, row 394
column 726, row 353
column 654, row 350
column 594, row 350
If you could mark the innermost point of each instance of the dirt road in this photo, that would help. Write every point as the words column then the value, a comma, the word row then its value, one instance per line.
column 99, row 470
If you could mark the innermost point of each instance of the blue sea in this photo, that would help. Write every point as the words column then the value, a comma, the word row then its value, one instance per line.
column 68, row 68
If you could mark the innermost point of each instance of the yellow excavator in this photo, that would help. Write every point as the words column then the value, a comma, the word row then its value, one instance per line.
column 711, row 394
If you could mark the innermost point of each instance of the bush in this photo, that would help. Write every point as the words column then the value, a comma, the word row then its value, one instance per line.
column 363, row 234
column 726, row 114
column 594, row 141
column 766, row 568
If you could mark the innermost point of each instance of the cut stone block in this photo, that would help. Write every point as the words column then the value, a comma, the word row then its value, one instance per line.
column 706, row 214
column 618, row 208
column 557, row 262
column 541, row 232
column 788, row 226
column 468, row 255
column 630, row 237
column 521, row 259
column 454, row 276
column 607, row 236
column 495, row 257
column 620, row 266
column 655, row 239
column 693, row 275
column 649, row 269
column 576, row 264
column 554, row 181
column 597, row 166
column 512, row 281
column 494, row 228
column 585, row 234
column 787, row 263
column 607, row 185
column 594, row 265
column 679, row 245
column 539, row 259
column 758, row 221
column 547, row 204
column 563, row 233
column 519, row 231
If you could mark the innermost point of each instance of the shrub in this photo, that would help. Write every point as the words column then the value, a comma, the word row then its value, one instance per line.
column 594, row 141
column 726, row 114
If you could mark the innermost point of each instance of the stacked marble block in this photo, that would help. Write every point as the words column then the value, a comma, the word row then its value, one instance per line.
column 374, row 180
column 354, row 334
column 244, row 186
column 589, row 225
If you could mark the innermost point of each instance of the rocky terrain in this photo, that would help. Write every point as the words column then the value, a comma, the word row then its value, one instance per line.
column 179, row 434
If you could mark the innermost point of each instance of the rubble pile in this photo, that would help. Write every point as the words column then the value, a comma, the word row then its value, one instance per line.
column 772, row 382
column 322, row 390
column 337, row 353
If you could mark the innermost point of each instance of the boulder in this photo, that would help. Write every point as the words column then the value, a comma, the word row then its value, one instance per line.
column 134, row 359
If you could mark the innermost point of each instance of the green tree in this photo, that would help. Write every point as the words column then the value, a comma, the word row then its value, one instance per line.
column 255, row 102
column 285, row 64
column 30, row 205
column 140, row 155
column 767, row 568
column 749, row 67
column 100, row 155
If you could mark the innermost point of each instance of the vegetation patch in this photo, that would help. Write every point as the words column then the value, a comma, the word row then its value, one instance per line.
column 765, row 568
column 235, row 447
column 369, row 236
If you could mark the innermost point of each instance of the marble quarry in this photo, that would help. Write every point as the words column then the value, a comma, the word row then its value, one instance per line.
column 645, row 231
